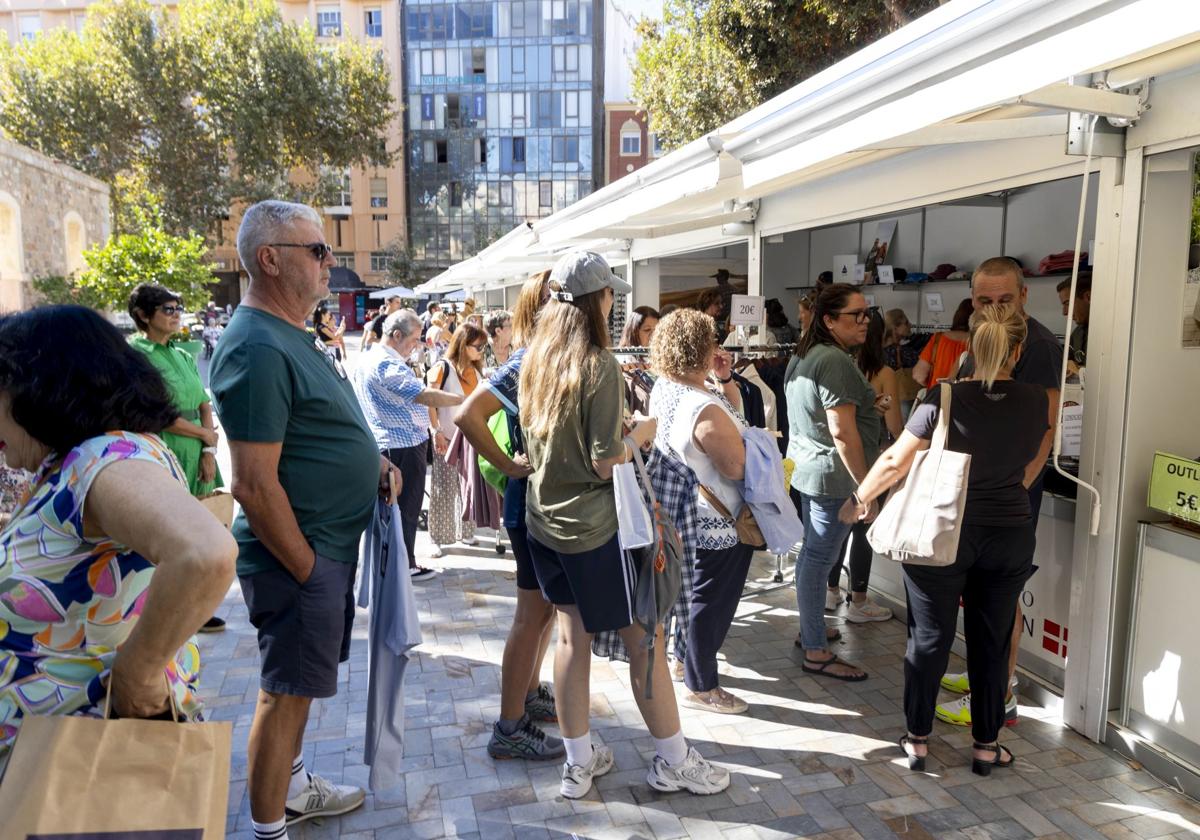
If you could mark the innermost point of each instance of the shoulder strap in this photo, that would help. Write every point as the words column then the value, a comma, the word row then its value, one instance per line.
column 942, row 432
column 641, row 468
column 445, row 365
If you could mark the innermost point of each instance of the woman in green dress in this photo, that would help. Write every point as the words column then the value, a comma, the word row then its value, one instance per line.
column 158, row 313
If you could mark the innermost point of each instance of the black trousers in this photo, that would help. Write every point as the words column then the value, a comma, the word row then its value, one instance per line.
column 412, row 463
column 720, row 577
column 861, row 555
column 991, row 569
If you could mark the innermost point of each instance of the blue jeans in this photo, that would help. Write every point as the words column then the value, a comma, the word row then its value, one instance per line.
column 823, row 538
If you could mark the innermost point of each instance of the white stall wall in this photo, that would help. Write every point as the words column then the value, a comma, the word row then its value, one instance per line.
column 786, row 264
column 1042, row 219
column 962, row 234
column 905, row 249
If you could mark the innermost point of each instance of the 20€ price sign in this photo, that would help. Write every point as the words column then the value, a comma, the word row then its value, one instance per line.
column 746, row 310
column 1175, row 486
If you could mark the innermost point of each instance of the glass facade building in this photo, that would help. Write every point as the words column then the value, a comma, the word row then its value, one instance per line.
column 504, row 118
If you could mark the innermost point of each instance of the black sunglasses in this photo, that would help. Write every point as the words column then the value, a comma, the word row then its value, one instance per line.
column 320, row 250
column 170, row 309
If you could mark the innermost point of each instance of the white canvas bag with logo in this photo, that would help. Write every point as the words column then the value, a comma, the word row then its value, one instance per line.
column 920, row 524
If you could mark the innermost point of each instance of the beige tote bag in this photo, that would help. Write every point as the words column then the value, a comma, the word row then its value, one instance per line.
column 920, row 522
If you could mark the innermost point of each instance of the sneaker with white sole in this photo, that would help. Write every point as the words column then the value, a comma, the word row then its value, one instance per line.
column 677, row 670
column 469, row 541
column 958, row 683
column 528, row 742
column 540, row 707
column 860, row 612
column 695, row 775
column 322, row 798
column 834, row 598
column 958, row 712
column 577, row 778
column 718, row 700
column 435, row 550
column 420, row 573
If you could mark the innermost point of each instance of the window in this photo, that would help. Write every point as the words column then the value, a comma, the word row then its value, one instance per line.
column 506, row 194
column 656, row 146
column 430, row 150
column 373, row 26
column 479, row 62
column 518, row 17
column 379, row 262
column 518, row 110
column 76, row 241
column 30, row 25
column 427, row 63
column 80, row 19
column 344, row 261
column 441, row 23
column 518, row 150
column 566, row 60
column 344, row 193
column 329, row 21
column 379, row 192
column 549, row 110
column 518, row 61
column 545, row 194
column 453, row 111
column 455, row 194
column 565, row 150
column 480, row 151
column 416, row 25
column 631, row 138
column 572, row 107
column 442, row 154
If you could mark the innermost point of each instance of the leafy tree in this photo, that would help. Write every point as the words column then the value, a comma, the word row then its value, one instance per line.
column 219, row 102
column 152, row 255
column 402, row 266
column 710, row 60
column 55, row 288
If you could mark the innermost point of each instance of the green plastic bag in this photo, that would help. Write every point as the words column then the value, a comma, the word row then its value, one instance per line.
column 498, row 425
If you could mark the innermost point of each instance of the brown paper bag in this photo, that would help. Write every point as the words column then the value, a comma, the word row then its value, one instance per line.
column 72, row 778
column 221, row 505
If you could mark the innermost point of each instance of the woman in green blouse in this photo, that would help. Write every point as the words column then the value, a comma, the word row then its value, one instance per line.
column 158, row 312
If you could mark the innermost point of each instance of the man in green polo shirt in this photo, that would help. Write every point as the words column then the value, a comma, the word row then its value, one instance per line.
column 304, row 471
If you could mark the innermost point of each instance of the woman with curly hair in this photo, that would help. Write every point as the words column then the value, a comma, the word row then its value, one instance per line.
column 121, row 565
column 699, row 423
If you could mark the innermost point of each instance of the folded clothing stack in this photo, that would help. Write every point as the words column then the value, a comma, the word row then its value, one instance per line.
column 1060, row 262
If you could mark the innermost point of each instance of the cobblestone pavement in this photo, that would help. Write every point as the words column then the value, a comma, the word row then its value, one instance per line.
column 812, row 758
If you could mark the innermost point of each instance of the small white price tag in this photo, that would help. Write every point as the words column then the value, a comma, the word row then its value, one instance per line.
column 747, row 310
column 886, row 275
column 860, row 273
column 933, row 302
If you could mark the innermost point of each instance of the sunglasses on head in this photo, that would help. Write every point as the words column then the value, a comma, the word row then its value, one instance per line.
column 320, row 250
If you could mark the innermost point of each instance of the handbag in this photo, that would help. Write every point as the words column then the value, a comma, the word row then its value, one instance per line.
column 748, row 532
column 74, row 776
column 920, row 522
column 498, row 426
column 659, row 571
column 220, row 505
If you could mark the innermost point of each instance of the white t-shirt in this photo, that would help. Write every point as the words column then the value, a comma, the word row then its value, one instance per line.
column 677, row 408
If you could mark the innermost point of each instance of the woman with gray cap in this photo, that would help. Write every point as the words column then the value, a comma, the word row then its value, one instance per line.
column 571, row 415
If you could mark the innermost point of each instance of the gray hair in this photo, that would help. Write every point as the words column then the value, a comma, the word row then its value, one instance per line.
column 261, row 224
column 403, row 321
column 495, row 321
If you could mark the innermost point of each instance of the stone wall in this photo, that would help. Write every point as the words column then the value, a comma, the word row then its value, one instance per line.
column 43, row 203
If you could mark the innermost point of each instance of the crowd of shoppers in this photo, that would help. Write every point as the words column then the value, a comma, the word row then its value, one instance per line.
column 130, row 427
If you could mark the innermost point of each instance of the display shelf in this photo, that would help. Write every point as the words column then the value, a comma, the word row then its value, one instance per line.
column 936, row 282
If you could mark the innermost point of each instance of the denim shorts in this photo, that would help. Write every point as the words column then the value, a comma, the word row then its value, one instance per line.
column 303, row 628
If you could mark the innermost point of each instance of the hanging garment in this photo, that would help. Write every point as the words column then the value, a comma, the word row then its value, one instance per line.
column 752, row 401
column 481, row 503
column 765, row 491
column 385, row 588
column 771, row 371
column 770, row 403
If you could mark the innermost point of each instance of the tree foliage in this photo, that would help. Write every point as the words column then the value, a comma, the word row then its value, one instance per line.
column 151, row 255
column 709, row 61
column 219, row 102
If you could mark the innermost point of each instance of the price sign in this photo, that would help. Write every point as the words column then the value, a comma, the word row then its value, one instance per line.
column 886, row 274
column 1175, row 486
column 746, row 310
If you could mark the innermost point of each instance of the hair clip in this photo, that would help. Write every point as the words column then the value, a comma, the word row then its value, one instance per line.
column 564, row 297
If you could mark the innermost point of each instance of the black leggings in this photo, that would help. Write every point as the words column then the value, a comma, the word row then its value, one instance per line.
column 860, row 559
column 411, row 462
column 989, row 573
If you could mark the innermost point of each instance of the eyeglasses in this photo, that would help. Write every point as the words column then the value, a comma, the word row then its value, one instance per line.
column 478, row 347
column 170, row 309
column 861, row 316
column 320, row 250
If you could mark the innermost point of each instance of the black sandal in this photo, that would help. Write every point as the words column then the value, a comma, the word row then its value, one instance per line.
column 820, row 669
column 984, row 768
column 915, row 762
column 836, row 637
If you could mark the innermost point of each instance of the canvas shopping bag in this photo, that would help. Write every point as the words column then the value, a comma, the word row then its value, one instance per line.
column 220, row 504
column 635, row 528
column 82, row 778
column 920, row 524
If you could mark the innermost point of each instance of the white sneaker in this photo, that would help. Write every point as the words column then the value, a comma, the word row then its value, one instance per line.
column 695, row 775
column 435, row 550
column 861, row 612
column 322, row 798
column 577, row 778
column 834, row 599
column 470, row 541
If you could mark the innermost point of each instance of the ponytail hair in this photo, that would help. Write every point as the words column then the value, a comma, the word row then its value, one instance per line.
column 830, row 301
column 996, row 330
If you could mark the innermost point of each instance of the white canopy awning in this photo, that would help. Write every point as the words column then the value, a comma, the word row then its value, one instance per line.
column 969, row 71
column 397, row 291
